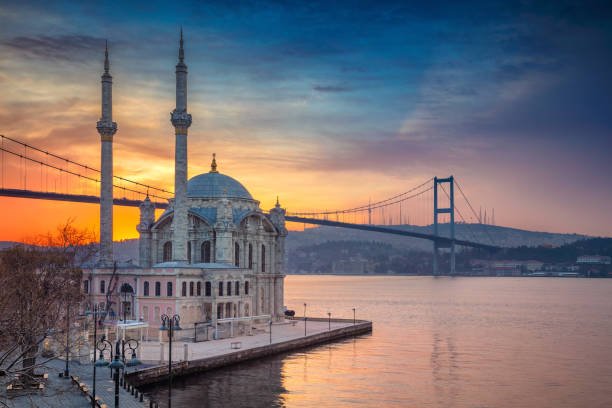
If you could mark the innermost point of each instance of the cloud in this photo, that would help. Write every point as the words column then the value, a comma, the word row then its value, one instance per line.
column 60, row 47
column 330, row 88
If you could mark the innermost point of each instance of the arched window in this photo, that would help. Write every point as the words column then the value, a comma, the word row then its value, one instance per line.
column 207, row 289
column 250, row 256
column 205, row 252
column 146, row 288
column 191, row 288
column 157, row 289
column 263, row 258
column 220, row 288
column 102, row 286
column 189, row 252
column 236, row 254
column 229, row 288
column 199, row 288
column 169, row 289
column 246, row 287
column 184, row 289
column 168, row 251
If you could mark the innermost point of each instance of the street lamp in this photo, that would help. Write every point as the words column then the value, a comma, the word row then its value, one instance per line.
column 353, row 316
column 170, row 324
column 329, row 319
column 304, row 319
column 67, row 370
column 270, row 330
column 116, row 364
column 95, row 314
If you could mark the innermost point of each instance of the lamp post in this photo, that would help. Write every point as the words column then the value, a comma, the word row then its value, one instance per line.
column 304, row 319
column 353, row 316
column 329, row 319
column 95, row 314
column 67, row 350
column 116, row 365
column 270, row 330
column 132, row 344
column 170, row 324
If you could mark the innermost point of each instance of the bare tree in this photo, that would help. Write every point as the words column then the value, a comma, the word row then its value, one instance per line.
column 39, row 283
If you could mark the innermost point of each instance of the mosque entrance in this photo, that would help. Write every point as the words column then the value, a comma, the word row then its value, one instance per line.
column 126, row 294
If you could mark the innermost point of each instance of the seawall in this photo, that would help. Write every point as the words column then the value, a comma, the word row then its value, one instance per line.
column 159, row 373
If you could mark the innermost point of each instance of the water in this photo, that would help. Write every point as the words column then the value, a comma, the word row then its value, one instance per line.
column 437, row 342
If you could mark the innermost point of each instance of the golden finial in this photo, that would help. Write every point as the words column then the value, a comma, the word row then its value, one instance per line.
column 224, row 191
column 213, row 166
column 277, row 203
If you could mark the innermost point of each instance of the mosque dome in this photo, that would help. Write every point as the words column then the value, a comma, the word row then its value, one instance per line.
column 213, row 184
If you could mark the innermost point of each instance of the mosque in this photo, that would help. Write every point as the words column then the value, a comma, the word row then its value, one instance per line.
column 213, row 254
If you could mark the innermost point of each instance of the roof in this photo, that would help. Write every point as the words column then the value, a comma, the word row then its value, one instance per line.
column 213, row 185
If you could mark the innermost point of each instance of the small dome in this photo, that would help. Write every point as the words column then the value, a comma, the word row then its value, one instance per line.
column 211, row 185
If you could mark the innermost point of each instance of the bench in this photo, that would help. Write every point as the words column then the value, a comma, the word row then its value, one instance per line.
column 236, row 344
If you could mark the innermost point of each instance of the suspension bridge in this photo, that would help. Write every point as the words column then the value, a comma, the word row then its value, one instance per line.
column 34, row 173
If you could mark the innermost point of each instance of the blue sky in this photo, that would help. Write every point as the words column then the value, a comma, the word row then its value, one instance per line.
column 334, row 102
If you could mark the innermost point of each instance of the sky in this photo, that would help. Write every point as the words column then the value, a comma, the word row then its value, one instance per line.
column 324, row 104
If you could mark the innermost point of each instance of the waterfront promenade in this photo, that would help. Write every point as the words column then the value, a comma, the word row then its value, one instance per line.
column 155, row 352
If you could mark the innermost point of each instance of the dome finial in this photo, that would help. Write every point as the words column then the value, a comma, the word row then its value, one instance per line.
column 277, row 203
column 213, row 165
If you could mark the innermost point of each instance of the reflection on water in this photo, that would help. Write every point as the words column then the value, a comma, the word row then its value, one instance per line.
column 437, row 342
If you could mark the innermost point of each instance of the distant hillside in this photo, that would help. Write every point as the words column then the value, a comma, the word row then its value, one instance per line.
column 488, row 234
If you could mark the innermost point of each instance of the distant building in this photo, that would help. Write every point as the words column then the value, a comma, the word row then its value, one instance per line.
column 505, row 267
column 593, row 260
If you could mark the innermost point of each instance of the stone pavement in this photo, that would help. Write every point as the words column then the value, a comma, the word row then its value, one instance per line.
column 58, row 392
column 151, row 352
column 105, row 386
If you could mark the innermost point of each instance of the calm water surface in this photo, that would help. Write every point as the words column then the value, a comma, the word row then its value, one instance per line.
column 437, row 342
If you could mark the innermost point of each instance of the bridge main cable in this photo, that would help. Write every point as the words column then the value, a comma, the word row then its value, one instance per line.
column 75, row 163
column 378, row 204
column 76, row 174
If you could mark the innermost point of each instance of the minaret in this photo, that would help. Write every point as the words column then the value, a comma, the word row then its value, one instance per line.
column 181, row 121
column 107, row 128
column 277, row 217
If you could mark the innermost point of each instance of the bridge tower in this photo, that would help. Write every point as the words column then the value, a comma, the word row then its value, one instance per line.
column 450, row 210
column 106, row 128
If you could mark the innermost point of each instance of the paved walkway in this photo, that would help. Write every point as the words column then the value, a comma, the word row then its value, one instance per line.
column 59, row 392
column 105, row 386
column 151, row 352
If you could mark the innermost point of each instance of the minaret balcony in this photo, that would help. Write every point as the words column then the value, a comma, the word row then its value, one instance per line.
column 106, row 127
column 180, row 119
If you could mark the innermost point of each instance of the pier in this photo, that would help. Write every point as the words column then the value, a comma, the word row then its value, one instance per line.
column 189, row 357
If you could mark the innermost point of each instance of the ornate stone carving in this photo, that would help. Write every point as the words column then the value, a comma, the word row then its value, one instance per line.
column 180, row 120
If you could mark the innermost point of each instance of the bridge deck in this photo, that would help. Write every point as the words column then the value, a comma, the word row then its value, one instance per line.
column 442, row 241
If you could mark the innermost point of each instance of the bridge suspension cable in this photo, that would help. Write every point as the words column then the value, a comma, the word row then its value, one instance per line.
column 473, row 211
column 27, row 146
column 371, row 206
column 24, row 158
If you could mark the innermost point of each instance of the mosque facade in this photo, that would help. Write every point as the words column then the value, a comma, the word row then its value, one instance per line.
column 213, row 254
